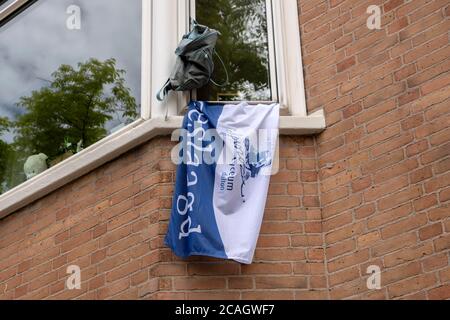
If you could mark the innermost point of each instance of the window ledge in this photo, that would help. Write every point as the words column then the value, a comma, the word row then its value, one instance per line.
column 113, row 146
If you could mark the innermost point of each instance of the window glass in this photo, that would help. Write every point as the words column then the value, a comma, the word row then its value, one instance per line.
column 243, row 47
column 69, row 76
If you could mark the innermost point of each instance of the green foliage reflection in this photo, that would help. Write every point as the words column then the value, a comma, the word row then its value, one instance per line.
column 243, row 45
column 73, row 109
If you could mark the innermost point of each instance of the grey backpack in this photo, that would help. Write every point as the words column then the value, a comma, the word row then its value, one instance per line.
column 195, row 65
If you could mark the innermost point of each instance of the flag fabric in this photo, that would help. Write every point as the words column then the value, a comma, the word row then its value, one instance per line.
column 225, row 157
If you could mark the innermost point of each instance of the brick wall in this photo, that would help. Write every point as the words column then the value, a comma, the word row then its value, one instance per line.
column 384, row 160
column 373, row 189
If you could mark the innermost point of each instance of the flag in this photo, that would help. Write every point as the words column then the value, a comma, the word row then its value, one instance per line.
column 225, row 157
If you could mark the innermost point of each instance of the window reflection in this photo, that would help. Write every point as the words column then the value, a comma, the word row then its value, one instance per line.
column 243, row 46
column 63, row 85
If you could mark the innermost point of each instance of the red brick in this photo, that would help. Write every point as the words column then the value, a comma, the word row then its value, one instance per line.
column 434, row 85
column 444, row 195
column 388, row 92
column 388, row 119
column 412, row 122
column 399, row 198
column 421, row 174
column 428, row 74
column 442, row 243
column 417, row 148
column 276, row 282
column 268, row 295
column 240, row 283
column 393, row 244
column 379, row 136
column 398, row 25
column 195, row 283
column 343, row 262
column 341, row 206
column 440, row 293
column 401, row 272
column 425, row 202
column 395, row 170
column 436, row 154
column 371, row 88
column 213, row 269
column 405, row 225
column 364, row 211
column 338, row 221
column 405, row 72
column 347, row 63
column 368, row 239
column 435, row 262
column 409, row 285
column 408, row 254
column 267, row 268
column 361, row 184
column 288, row 254
column 392, row 4
column 344, row 233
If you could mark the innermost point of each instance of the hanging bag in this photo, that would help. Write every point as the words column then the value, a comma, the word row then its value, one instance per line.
column 194, row 65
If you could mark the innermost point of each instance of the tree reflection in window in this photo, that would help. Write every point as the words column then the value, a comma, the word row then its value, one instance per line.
column 60, row 89
column 74, row 108
column 243, row 46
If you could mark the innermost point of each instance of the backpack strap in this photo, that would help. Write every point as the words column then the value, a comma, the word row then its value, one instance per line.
column 162, row 93
column 194, row 22
column 226, row 72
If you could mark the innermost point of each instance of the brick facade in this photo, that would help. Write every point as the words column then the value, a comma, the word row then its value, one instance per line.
column 373, row 189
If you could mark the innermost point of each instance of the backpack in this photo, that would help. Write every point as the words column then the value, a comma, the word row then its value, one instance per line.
column 194, row 65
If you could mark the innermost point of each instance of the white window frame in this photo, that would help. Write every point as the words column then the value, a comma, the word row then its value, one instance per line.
column 160, row 36
column 11, row 8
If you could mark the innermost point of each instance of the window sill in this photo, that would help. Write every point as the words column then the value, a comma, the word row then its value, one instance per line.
column 117, row 144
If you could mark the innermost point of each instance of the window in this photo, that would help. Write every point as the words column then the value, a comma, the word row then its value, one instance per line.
column 66, row 81
column 245, row 46
column 52, row 50
column 272, row 24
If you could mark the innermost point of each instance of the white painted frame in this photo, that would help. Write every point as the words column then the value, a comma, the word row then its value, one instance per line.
column 12, row 8
column 288, row 53
column 160, row 36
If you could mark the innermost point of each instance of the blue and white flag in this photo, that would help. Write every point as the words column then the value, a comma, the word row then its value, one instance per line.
column 225, row 159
